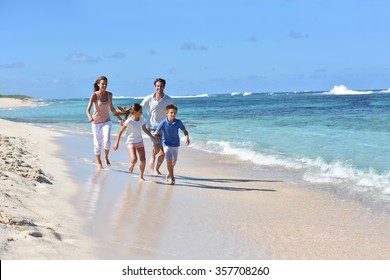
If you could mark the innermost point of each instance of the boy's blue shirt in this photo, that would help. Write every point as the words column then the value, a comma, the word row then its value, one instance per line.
column 170, row 132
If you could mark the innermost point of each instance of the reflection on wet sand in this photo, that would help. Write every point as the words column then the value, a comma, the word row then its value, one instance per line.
column 125, row 211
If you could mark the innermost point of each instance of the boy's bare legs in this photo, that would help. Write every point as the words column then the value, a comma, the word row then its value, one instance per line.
column 171, row 175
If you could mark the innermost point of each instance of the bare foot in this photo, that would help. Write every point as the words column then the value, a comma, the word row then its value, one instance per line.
column 157, row 170
column 108, row 164
column 131, row 168
column 141, row 179
column 172, row 179
column 99, row 166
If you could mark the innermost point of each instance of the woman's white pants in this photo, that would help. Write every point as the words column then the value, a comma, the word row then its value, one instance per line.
column 101, row 136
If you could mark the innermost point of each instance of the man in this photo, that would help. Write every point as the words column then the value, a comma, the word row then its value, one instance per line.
column 155, row 104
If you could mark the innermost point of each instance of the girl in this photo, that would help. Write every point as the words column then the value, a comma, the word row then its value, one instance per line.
column 134, row 141
column 100, row 120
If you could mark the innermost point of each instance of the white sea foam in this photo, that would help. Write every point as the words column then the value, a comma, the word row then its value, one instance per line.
column 176, row 96
column 243, row 94
column 42, row 104
column 368, row 182
column 120, row 97
column 245, row 153
column 338, row 174
column 191, row 96
column 343, row 90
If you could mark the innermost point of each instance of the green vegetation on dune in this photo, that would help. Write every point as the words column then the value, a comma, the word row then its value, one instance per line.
column 17, row 96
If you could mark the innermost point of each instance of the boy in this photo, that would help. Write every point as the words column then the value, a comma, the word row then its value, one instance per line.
column 169, row 129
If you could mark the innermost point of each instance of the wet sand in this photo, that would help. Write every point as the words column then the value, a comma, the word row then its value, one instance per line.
column 218, row 209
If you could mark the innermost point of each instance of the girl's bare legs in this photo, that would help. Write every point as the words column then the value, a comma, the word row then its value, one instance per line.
column 133, row 159
column 142, row 159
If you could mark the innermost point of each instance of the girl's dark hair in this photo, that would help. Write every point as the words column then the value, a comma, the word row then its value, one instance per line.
column 96, row 84
column 135, row 107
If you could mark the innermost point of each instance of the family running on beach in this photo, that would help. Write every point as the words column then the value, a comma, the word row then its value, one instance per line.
column 161, row 126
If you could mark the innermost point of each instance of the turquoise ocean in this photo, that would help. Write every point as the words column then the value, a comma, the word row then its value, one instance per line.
column 338, row 140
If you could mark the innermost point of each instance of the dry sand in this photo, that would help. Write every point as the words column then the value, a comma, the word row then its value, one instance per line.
column 37, row 219
column 55, row 205
column 15, row 102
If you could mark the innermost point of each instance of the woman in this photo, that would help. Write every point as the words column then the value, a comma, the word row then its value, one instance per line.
column 100, row 120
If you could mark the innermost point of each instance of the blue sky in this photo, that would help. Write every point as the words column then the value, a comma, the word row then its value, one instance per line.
column 57, row 49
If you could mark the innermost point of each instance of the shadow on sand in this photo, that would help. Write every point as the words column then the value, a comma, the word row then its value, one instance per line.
column 207, row 183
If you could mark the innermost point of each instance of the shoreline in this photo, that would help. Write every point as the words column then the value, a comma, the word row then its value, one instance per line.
column 54, row 205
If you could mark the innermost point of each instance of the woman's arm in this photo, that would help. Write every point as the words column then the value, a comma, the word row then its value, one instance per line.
column 113, row 111
column 89, row 106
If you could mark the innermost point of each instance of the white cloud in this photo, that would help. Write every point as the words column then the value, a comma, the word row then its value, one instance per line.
column 81, row 58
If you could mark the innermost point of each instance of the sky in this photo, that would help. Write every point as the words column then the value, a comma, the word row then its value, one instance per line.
column 57, row 49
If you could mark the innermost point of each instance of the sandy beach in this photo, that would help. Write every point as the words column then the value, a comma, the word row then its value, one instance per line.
column 37, row 219
column 55, row 205
column 15, row 102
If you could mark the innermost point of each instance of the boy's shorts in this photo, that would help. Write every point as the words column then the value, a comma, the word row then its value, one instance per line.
column 171, row 153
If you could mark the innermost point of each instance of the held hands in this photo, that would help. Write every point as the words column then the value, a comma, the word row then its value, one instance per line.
column 116, row 146
column 155, row 138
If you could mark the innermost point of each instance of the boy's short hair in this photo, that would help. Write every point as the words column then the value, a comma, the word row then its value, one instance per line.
column 171, row 106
